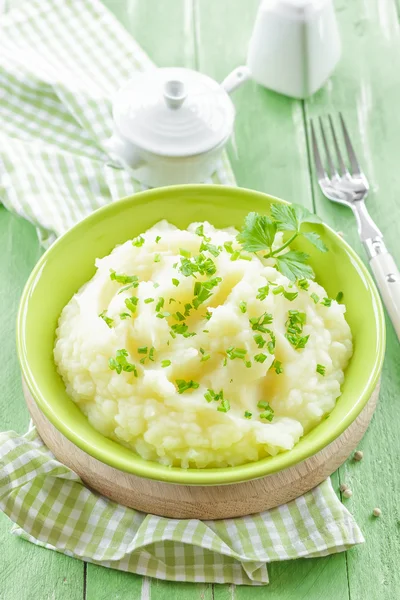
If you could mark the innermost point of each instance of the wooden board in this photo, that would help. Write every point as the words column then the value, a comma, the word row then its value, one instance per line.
column 271, row 140
column 203, row 502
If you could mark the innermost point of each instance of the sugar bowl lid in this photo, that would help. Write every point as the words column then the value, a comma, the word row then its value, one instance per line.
column 173, row 112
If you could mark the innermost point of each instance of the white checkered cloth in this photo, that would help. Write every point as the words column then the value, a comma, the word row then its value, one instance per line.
column 60, row 61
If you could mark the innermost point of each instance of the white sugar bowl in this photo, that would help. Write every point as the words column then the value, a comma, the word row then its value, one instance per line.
column 295, row 46
column 172, row 124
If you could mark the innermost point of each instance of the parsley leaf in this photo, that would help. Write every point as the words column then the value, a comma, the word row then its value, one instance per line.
column 258, row 233
column 292, row 265
column 289, row 217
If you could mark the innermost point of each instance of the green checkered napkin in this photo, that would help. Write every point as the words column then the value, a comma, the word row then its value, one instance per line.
column 60, row 61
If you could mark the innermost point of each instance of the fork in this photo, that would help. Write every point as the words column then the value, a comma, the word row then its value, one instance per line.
column 351, row 188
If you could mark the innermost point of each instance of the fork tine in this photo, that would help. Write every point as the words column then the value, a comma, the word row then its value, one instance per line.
column 332, row 168
column 321, row 173
column 350, row 150
column 342, row 166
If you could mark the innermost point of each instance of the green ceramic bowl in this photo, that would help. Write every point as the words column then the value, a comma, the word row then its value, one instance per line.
column 70, row 262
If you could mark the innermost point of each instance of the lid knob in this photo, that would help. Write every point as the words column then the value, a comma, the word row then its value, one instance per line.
column 174, row 93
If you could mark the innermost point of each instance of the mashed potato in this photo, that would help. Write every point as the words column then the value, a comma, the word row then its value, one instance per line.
column 200, row 369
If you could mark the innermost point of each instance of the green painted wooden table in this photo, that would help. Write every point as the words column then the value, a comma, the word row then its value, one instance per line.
column 273, row 156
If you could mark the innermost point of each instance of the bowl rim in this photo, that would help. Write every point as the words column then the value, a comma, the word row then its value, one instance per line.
column 208, row 476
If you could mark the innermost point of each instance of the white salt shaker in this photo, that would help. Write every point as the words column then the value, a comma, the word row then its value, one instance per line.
column 295, row 46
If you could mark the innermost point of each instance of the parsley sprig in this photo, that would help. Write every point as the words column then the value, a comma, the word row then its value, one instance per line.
column 259, row 232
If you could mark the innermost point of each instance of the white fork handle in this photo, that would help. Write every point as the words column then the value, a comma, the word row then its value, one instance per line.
column 387, row 277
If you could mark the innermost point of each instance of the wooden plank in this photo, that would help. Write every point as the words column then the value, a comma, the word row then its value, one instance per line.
column 366, row 88
column 270, row 142
column 26, row 571
column 272, row 157
column 165, row 32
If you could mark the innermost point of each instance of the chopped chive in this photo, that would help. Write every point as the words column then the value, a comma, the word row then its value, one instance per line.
column 258, row 323
column 138, row 241
column 243, row 306
column 175, row 282
column 277, row 366
column 290, row 295
column 235, row 255
column 178, row 316
column 183, row 385
column 228, row 247
column 326, row 301
column 122, row 278
column 205, row 357
column 247, row 414
column 142, row 350
column 259, row 340
column 247, row 364
column 314, row 297
column 124, row 316
column 224, row 406
column 156, row 285
column 268, row 415
column 263, row 292
column 200, row 230
column 108, row 320
column 157, row 258
column 320, row 369
column 188, row 307
column 158, row 238
column 131, row 303
column 151, row 353
column 171, row 300
column 185, row 253
column 236, row 352
column 120, row 363
column 261, row 358
column 225, row 362
column 148, row 300
column 163, row 315
column 159, row 304
column 304, row 284
column 339, row 297
column 279, row 289
column 165, row 363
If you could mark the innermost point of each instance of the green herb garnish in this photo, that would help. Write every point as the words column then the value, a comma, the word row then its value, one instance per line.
column 160, row 304
column 224, row 406
column 258, row 323
column 178, row 316
column 243, row 306
column 183, row 385
column 131, row 303
column 247, row 414
column 277, row 366
column 314, row 297
column 320, row 369
column 326, row 301
column 260, row 357
column 259, row 340
column 185, row 253
column 175, row 282
column 303, row 284
column 294, row 327
column 339, row 297
column 122, row 278
column 148, row 300
column 259, row 233
column 120, row 363
column 165, row 363
column 158, row 238
column 233, row 352
column 124, row 316
column 157, row 258
column 107, row 320
column 138, row 241
column 142, row 350
column 262, row 292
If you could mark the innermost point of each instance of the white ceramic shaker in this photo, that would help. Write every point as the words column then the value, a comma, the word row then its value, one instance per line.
column 295, row 46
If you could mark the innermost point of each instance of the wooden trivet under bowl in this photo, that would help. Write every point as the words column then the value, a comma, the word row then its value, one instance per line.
column 203, row 501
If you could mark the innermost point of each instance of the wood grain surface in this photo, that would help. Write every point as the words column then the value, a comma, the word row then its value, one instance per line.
column 272, row 156
column 197, row 501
